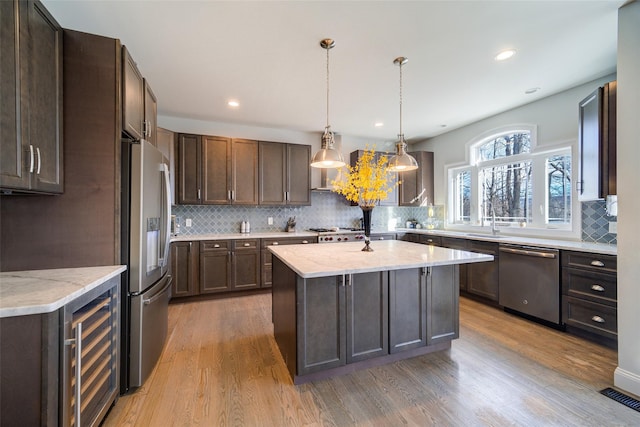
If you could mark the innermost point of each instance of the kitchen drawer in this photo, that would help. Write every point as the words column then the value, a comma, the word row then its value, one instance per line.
column 453, row 243
column 431, row 240
column 589, row 316
column 592, row 262
column 245, row 244
column 597, row 287
column 490, row 248
column 215, row 245
column 288, row 241
column 383, row 236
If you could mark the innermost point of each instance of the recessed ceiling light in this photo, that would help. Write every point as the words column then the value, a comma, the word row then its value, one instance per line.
column 443, row 126
column 233, row 104
column 505, row 54
column 531, row 90
column 378, row 124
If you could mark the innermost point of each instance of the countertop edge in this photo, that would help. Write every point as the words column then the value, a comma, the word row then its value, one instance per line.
column 293, row 257
column 570, row 245
column 49, row 306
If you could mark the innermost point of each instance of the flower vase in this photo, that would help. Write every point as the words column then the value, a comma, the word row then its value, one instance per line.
column 366, row 220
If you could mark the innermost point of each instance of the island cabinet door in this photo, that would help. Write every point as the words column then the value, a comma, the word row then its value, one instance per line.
column 321, row 324
column 407, row 309
column 367, row 315
column 442, row 304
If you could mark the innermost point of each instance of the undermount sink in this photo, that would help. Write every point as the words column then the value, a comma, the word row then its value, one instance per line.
column 493, row 236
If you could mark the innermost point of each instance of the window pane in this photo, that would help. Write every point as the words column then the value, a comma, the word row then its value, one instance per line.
column 559, row 189
column 507, row 191
column 462, row 197
column 505, row 145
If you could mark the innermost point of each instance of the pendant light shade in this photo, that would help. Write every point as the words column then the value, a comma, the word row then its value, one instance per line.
column 328, row 156
column 402, row 161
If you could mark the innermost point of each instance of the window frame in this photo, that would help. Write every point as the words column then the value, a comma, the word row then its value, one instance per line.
column 538, row 155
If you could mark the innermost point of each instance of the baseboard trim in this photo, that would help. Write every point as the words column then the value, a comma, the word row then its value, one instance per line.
column 627, row 381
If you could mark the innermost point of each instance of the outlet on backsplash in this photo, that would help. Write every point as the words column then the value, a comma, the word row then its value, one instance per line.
column 187, row 222
column 613, row 227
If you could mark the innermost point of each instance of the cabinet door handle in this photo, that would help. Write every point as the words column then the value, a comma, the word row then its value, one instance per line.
column 216, row 245
column 39, row 160
column 31, row 161
column 597, row 319
column 597, row 288
column 275, row 243
column 199, row 194
column 304, row 242
column 190, row 246
column 246, row 245
column 78, row 340
column 597, row 263
column 429, row 240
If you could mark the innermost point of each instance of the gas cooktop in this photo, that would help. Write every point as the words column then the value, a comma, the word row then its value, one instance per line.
column 335, row 230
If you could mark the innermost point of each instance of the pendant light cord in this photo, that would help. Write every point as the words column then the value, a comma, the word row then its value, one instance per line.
column 327, row 87
column 400, row 98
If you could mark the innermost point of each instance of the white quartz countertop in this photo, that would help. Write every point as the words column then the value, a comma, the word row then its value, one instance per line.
column 600, row 248
column 44, row 291
column 226, row 236
column 348, row 258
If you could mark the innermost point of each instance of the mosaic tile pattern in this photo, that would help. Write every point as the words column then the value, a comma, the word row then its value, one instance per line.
column 327, row 209
column 595, row 223
column 330, row 209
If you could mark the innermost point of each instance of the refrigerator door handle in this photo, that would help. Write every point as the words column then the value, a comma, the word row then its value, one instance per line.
column 159, row 293
column 166, row 217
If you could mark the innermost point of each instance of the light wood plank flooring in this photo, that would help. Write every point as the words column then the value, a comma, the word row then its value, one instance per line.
column 221, row 367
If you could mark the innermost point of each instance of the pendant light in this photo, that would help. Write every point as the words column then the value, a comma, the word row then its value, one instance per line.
column 328, row 156
column 402, row 161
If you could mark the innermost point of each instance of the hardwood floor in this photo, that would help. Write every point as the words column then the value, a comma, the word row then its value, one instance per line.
column 221, row 367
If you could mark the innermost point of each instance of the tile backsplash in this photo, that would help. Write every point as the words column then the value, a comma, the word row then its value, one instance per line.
column 595, row 223
column 329, row 209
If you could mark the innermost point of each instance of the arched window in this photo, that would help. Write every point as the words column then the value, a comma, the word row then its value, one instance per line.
column 510, row 182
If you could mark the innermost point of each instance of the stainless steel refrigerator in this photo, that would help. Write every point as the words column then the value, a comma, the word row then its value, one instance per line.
column 146, row 213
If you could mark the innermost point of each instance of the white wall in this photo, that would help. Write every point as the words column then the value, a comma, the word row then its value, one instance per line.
column 627, row 375
column 345, row 143
column 556, row 118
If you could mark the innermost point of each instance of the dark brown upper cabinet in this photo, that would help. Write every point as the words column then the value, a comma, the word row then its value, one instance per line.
column 416, row 186
column 150, row 125
column 215, row 170
column 597, row 144
column 284, row 173
column 132, row 97
column 31, row 91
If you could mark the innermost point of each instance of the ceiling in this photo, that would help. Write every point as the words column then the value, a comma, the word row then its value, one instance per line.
column 198, row 55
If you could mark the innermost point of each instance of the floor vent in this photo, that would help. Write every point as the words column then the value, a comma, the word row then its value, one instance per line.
column 622, row 398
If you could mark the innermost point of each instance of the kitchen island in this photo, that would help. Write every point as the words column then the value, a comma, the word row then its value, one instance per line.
column 337, row 309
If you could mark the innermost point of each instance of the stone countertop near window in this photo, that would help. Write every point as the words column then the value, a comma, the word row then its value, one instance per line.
column 599, row 248
column 256, row 235
column 43, row 291
column 310, row 261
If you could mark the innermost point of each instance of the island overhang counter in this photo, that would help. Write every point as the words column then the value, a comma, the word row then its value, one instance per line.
column 337, row 309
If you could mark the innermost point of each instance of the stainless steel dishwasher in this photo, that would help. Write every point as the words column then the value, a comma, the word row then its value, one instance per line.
column 530, row 281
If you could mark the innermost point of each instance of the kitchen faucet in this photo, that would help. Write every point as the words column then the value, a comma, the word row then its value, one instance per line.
column 494, row 228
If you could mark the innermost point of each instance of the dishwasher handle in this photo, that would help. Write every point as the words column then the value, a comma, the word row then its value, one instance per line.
column 530, row 252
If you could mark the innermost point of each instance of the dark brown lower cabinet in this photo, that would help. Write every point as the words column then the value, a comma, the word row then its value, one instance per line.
column 184, row 268
column 482, row 277
column 245, row 264
column 326, row 323
column 407, row 309
column 61, row 368
column 215, row 266
column 225, row 265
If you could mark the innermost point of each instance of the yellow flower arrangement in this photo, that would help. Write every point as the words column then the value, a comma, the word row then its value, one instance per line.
column 368, row 182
